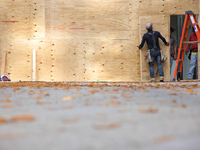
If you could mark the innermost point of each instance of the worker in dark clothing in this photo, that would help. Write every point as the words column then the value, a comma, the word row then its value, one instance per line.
column 151, row 38
column 172, row 48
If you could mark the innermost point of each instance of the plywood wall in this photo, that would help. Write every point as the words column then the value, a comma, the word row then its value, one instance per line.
column 82, row 40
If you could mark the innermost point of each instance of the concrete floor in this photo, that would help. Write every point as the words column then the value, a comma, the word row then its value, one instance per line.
column 100, row 116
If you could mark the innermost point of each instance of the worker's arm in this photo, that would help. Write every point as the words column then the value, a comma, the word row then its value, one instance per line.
column 142, row 43
column 163, row 39
column 175, row 52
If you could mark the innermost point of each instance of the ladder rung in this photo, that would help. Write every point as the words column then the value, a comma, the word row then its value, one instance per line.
column 190, row 42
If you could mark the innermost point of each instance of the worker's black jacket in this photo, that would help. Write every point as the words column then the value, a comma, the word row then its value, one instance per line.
column 148, row 38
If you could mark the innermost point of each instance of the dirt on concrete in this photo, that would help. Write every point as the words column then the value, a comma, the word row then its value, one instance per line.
column 99, row 115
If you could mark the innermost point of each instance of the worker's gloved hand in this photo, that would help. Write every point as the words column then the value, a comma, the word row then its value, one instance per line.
column 139, row 46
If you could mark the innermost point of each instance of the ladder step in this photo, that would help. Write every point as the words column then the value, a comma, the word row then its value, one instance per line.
column 190, row 42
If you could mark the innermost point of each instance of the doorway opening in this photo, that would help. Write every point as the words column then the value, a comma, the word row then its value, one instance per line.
column 176, row 22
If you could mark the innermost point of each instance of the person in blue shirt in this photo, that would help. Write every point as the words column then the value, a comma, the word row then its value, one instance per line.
column 152, row 40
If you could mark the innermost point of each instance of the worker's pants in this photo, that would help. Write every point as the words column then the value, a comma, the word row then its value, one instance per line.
column 155, row 55
column 193, row 63
column 171, row 63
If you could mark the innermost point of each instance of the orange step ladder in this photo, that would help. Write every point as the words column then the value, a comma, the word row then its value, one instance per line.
column 189, row 15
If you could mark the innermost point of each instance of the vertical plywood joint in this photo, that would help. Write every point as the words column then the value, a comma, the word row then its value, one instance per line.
column 38, row 18
column 53, row 61
column 34, row 17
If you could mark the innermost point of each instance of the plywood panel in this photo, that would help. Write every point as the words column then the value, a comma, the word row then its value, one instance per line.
column 179, row 7
column 15, row 18
column 163, row 7
column 104, row 15
column 87, row 19
column 69, row 60
column 111, row 61
column 19, row 59
column 5, row 44
column 19, row 66
column 44, row 71
column 62, row 15
column 160, row 23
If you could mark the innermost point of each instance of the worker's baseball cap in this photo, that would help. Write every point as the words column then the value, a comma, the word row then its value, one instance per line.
column 172, row 29
column 149, row 26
